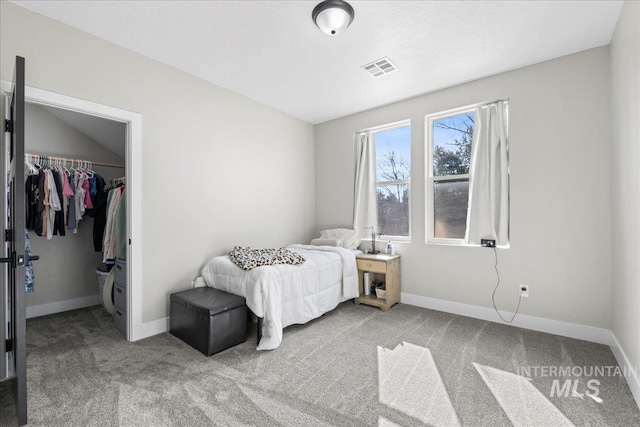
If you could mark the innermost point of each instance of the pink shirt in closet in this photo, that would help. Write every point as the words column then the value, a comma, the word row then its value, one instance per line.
column 87, row 197
column 66, row 188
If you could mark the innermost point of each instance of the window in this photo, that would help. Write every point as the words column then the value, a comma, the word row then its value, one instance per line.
column 449, row 139
column 393, row 178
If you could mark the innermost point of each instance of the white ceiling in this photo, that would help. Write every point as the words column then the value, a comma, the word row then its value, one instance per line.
column 271, row 51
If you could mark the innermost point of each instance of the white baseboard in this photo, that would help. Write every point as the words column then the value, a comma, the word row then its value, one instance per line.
column 565, row 329
column 155, row 327
column 627, row 367
column 60, row 306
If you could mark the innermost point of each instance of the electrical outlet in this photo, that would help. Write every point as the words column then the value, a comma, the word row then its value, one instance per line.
column 524, row 291
column 488, row 243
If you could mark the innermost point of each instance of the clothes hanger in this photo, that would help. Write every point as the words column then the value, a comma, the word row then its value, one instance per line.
column 90, row 170
column 36, row 171
column 31, row 169
column 27, row 163
column 80, row 168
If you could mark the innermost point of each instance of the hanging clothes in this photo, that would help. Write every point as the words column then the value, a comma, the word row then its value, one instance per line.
column 47, row 205
column 87, row 195
column 58, row 225
column 29, row 278
column 39, row 224
column 33, row 217
column 99, row 212
column 56, row 201
column 93, row 185
column 121, row 227
column 110, row 235
column 54, row 204
column 66, row 187
column 79, row 197
column 106, row 236
column 72, row 222
column 66, row 195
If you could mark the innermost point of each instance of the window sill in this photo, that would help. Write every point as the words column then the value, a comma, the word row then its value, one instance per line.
column 464, row 245
column 395, row 239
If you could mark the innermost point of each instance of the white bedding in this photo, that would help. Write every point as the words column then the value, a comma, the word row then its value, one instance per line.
column 284, row 295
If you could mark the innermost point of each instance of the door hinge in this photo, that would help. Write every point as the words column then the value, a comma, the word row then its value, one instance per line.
column 8, row 346
column 8, row 125
column 11, row 260
column 8, row 236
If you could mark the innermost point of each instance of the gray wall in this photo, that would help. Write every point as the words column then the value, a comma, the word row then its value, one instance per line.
column 218, row 169
column 66, row 269
column 625, row 179
column 560, row 216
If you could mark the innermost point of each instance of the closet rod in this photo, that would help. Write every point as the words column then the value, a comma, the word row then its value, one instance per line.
column 55, row 158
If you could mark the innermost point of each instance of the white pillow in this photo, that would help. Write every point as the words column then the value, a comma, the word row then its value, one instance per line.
column 327, row 242
column 350, row 238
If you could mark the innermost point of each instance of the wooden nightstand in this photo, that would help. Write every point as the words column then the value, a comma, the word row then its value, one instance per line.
column 386, row 269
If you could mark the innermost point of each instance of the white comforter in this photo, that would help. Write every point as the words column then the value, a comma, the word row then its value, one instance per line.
column 287, row 294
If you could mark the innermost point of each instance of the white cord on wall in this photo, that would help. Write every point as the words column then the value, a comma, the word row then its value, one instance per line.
column 493, row 296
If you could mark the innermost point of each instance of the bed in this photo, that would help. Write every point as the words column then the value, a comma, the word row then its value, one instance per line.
column 284, row 295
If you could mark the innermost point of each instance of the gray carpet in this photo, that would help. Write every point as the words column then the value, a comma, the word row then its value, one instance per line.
column 354, row 366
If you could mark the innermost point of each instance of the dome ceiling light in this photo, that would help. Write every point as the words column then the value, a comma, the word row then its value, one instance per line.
column 333, row 16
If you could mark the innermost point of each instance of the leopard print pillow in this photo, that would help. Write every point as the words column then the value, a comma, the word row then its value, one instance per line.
column 248, row 259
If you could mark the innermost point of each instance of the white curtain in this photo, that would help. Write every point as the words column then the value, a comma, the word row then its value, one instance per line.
column 364, row 207
column 488, row 212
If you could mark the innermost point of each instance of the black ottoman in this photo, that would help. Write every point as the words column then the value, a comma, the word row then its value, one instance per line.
column 208, row 319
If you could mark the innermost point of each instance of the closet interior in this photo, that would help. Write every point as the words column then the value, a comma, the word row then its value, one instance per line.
column 76, row 212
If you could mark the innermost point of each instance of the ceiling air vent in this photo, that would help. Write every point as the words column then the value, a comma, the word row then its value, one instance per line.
column 380, row 67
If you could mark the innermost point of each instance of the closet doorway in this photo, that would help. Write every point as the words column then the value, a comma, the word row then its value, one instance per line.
column 73, row 110
column 82, row 159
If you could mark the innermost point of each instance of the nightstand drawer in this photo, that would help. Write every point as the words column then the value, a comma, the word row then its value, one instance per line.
column 373, row 266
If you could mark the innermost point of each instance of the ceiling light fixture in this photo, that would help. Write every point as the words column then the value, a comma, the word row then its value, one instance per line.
column 333, row 16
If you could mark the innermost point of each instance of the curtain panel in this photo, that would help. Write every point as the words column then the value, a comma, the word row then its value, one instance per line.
column 488, row 210
column 364, row 208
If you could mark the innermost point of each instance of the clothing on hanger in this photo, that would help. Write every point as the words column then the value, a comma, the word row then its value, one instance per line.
column 28, row 265
column 121, row 227
column 110, row 238
column 58, row 225
column 33, row 217
column 54, row 204
column 72, row 222
column 99, row 211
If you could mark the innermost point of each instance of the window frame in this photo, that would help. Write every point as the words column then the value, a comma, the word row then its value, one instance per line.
column 430, row 179
column 372, row 132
